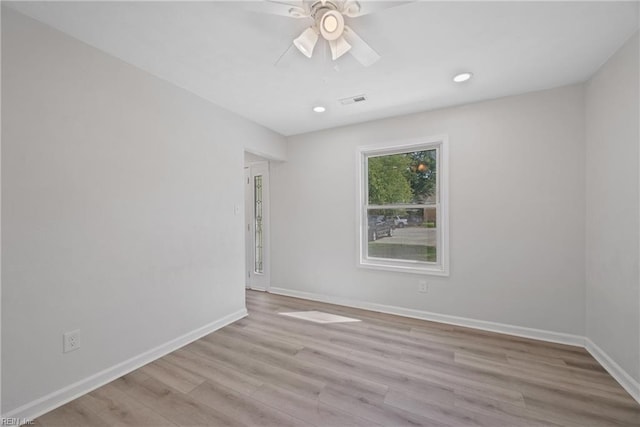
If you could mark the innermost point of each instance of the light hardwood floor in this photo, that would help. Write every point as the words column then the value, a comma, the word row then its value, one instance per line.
column 269, row 369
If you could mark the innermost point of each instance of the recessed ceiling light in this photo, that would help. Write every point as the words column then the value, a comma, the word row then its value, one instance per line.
column 319, row 109
column 462, row 77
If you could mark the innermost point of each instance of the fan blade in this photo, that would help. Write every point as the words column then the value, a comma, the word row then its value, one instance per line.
column 339, row 47
column 353, row 8
column 359, row 48
column 297, row 10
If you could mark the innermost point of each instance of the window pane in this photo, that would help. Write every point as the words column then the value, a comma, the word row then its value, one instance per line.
column 259, row 236
column 406, row 234
column 402, row 178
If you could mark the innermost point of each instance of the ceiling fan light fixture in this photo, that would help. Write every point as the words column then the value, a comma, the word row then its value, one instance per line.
column 331, row 25
column 329, row 22
column 462, row 77
column 306, row 42
column 339, row 47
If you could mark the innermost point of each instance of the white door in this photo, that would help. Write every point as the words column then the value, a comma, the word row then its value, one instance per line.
column 257, row 225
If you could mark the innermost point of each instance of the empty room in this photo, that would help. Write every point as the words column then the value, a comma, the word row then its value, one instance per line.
column 320, row 213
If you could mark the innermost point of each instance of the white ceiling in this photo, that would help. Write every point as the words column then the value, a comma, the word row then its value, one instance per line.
column 226, row 54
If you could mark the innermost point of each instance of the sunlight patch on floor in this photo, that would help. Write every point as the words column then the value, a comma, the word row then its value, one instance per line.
column 319, row 317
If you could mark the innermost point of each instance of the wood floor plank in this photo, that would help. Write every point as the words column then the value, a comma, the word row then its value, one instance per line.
column 173, row 375
column 527, row 358
column 73, row 414
column 613, row 409
column 590, row 375
column 415, row 355
column 353, row 384
column 312, row 410
column 386, row 370
column 266, row 373
column 213, row 370
column 378, row 343
column 398, row 378
column 179, row 408
column 511, row 415
column 356, row 340
column 243, row 408
column 119, row 409
column 376, row 412
column 581, row 413
column 446, row 414
column 389, row 320
column 270, row 343
column 563, row 381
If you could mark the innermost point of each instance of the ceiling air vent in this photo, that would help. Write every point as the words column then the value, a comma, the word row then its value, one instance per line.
column 353, row 99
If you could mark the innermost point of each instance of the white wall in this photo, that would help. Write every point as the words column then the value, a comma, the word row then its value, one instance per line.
column 118, row 195
column 612, row 219
column 517, row 213
column 0, row 224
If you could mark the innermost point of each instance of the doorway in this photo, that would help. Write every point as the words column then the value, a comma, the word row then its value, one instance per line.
column 256, row 180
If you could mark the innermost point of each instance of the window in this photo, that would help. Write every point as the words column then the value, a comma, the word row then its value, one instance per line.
column 259, row 235
column 402, row 207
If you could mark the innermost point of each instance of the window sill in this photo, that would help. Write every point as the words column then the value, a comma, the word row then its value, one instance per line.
column 427, row 270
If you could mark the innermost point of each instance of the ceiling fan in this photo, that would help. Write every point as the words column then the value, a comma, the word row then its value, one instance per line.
column 329, row 22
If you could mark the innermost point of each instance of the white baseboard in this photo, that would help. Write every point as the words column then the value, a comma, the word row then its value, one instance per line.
column 626, row 381
column 64, row 395
column 520, row 331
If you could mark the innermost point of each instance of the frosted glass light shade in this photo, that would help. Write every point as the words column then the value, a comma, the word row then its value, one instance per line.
column 306, row 42
column 339, row 47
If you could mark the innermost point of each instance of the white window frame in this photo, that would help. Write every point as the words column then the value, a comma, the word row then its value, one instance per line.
column 439, row 268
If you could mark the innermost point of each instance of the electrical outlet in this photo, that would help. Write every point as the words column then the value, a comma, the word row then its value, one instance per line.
column 71, row 341
column 422, row 286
